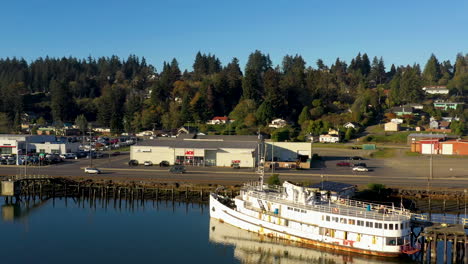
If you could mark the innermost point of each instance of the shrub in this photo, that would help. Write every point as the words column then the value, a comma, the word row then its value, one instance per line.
column 274, row 180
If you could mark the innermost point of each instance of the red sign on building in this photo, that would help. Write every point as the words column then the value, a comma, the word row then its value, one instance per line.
column 189, row 153
column 236, row 162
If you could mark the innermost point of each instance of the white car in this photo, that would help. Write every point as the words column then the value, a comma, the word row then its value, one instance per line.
column 360, row 168
column 148, row 163
column 92, row 171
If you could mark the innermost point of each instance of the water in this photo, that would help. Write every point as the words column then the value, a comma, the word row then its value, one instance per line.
column 73, row 231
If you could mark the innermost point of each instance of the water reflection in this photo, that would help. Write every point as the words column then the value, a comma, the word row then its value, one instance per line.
column 252, row 248
column 20, row 209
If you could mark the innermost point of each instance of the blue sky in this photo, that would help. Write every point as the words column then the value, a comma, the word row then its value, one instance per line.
column 403, row 32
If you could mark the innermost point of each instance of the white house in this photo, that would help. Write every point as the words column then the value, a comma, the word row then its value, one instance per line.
column 351, row 125
column 397, row 121
column 436, row 89
column 278, row 123
column 329, row 138
column 219, row 120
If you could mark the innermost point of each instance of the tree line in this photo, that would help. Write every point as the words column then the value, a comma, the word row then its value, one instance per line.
column 131, row 95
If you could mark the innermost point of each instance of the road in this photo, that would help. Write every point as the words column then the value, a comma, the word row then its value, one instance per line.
column 400, row 171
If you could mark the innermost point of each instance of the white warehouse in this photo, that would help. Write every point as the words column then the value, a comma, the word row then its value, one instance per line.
column 197, row 152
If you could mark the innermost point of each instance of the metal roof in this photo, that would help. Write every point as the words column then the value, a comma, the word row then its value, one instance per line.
column 200, row 144
column 230, row 137
column 427, row 135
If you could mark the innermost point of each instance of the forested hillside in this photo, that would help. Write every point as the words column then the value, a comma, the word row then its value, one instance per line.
column 131, row 95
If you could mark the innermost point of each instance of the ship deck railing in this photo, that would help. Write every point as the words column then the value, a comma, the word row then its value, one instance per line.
column 353, row 209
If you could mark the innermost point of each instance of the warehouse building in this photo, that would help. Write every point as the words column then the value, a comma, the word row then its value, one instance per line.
column 436, row 146
column 221, row 151
column 20, row 144
column 288, row 154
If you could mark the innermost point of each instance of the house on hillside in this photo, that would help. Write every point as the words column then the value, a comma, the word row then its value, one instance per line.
column 351, row 125
column 332, row 131
column 186, row 130
column 217, row 120
column 414, row 106
column 391, row 127
column 329, row 138
column 447, row 105
column 402, row 110
column 433, row 124
column 278, row 123
column 397, row 121
column 435, row 89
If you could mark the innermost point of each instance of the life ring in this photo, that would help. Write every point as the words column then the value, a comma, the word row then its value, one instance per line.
column 335, row 210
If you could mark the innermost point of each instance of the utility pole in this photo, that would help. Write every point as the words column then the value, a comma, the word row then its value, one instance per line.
column 90, row 154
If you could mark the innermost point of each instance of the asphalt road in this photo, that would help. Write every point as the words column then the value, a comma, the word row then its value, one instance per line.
column 400, row 171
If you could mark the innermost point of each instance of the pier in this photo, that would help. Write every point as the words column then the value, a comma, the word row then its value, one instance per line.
column 433, row 232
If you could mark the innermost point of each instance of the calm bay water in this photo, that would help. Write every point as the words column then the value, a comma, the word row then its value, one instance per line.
column 72, row 231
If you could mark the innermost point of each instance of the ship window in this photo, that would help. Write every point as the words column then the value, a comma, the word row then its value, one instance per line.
column 351, row 221
column 378, row 225
column 328, row 218
column 385, row 226
column 360, row 223
column 396, row 226
column 343, row 220
column 335, row 219
column 401, row 226
column 371, row 224
column 391, row 226
column 391, row 241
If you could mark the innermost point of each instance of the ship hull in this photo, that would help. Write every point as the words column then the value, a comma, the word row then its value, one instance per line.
column 230, row 216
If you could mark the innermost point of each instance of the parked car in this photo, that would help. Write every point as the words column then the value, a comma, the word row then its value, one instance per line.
column 92, row 171
column 68, row 156
column 116, row 153
column 148, row 163
column 360, row 168
column 343, row 164
column 177, row 169
column 235, row 166
column 361, row 164
column 164, row 163
column 356, row 158
column 133, row 163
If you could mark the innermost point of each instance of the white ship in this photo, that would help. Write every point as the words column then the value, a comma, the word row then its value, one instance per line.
column 303, row 215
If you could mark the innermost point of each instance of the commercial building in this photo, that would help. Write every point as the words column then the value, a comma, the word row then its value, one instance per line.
column 436, row 146
column 288, row 154
column 21, row 144
column 221, row 152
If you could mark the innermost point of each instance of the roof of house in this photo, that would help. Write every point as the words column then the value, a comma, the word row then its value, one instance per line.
column 199, row 144
column 402, row 109
column 332, row 186
column 435, row 87
column 223, row 118
column 444, row 124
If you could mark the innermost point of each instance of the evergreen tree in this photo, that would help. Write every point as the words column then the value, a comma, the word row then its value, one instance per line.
column 431, row 72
